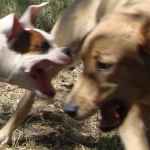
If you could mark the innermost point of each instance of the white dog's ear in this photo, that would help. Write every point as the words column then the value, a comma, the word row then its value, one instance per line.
column 11, row 27
column 30, row 15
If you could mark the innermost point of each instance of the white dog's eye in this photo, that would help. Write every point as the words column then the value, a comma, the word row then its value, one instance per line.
column 103, row 66
column 45, row 45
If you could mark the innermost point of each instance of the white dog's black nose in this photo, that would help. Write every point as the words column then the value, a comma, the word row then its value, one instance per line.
column 67, row 51
column 71, row 109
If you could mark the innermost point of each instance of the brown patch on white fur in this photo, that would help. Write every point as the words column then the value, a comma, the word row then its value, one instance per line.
column 30, row 41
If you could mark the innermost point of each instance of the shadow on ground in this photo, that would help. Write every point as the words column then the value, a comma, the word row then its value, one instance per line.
column 63, row 133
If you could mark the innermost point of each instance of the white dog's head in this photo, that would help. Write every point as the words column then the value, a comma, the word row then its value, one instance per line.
column 26, row 53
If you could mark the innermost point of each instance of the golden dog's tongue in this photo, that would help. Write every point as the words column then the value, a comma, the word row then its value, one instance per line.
column 110, row 116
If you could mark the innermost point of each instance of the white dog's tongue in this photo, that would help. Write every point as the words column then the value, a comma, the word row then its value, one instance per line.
column 37, row 71
column 43, row 81
column 37, row 66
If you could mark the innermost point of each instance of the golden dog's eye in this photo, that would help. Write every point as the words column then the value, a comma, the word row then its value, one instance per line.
column 103, row 66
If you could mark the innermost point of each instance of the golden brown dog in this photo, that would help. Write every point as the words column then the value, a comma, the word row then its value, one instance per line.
column 116, row 56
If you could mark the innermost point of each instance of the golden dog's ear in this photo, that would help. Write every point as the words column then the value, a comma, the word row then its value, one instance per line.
column 144, row 44
column 140, row 11
column 135, row 9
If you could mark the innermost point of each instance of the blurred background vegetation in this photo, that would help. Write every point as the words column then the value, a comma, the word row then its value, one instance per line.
column 46, row 19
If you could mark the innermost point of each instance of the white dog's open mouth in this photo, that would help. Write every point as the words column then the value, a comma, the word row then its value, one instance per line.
column 35, row 67
column 38, row 73
column 37, row 70
column 113, row 114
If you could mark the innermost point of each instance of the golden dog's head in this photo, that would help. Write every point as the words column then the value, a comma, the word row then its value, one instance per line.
column 116, row 70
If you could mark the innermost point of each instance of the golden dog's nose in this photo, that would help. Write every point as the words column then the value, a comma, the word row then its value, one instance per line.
column 71, row 110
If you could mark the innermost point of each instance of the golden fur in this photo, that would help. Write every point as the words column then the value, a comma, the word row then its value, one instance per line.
column 116, row 59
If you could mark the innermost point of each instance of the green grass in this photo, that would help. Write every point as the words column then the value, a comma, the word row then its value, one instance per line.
column 46, row 19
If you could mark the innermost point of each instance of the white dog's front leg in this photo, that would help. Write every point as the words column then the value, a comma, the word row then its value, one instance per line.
column 18, row 116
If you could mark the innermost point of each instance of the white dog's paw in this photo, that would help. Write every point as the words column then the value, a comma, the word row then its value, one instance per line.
column 5, row 138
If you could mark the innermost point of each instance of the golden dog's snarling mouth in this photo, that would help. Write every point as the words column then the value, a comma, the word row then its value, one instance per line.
column 113, row 114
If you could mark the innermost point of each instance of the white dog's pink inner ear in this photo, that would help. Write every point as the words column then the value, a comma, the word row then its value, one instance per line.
column 30, row 41
column 29, row 17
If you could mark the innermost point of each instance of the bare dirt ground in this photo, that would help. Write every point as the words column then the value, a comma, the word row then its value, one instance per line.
column 47, row 127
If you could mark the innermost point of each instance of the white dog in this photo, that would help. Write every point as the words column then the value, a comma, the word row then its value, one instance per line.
column 25, row 54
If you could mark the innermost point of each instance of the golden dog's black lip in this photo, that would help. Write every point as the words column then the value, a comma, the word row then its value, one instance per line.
column 113, row 113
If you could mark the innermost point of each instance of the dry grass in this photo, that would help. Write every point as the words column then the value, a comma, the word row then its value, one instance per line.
column 47, row 127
